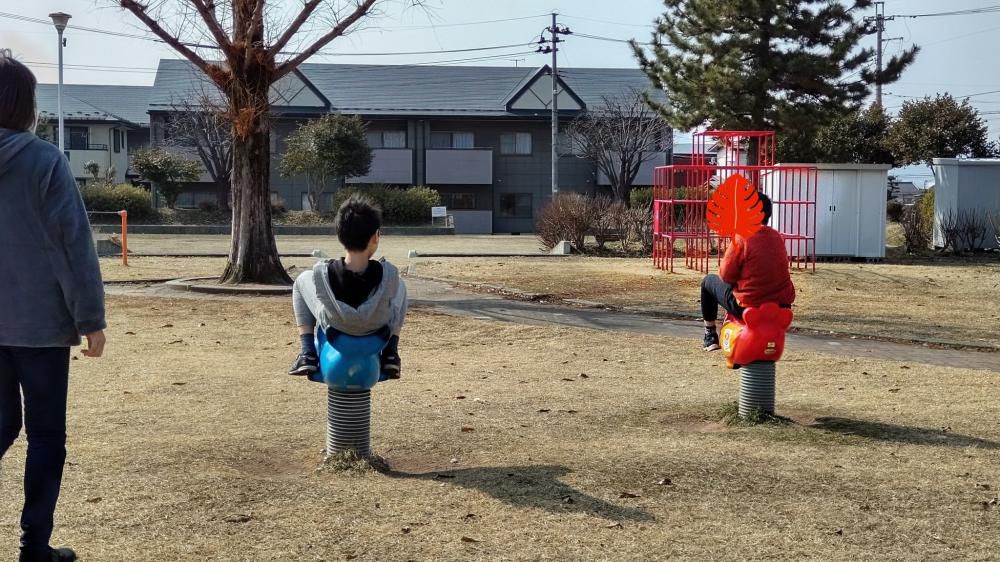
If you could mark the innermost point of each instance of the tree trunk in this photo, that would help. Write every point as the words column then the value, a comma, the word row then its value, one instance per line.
column 253, row 255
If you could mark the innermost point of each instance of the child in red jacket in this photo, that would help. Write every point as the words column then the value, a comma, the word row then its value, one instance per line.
column 753, row 272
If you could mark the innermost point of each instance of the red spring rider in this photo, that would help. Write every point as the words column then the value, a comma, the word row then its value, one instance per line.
column 760, row 336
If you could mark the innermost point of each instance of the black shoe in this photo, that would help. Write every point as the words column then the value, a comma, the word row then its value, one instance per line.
column 52, row 555
column 391, row 365
column 305, row 364
column 711, row 341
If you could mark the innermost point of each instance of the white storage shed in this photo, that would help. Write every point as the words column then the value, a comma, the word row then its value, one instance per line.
column 850, row 208
column 966, row 184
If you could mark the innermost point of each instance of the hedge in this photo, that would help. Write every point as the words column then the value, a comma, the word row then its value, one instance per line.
column 123, row 197
column 399, row 206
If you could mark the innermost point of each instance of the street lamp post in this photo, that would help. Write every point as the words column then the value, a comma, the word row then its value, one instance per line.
column 60, row 20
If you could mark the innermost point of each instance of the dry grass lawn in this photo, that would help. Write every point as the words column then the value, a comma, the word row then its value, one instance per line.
column 930, row 301
column 510, row 442
column 155, row 267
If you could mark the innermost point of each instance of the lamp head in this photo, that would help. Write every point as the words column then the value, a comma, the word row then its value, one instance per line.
column 60, row 20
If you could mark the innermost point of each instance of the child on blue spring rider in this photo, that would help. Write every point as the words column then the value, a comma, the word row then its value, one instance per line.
column 354, row 295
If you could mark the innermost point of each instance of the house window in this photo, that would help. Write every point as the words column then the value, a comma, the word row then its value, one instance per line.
column 515, row 143
column 515, row 205
column 453, row 140
column 459, row 201
column 387, row 139
column 569, row 145
column 78, row 137
column 117, row 141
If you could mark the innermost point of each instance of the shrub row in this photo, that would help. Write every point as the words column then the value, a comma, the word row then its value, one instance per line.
column 399, row 206
column 573, row 217
column 123, row 197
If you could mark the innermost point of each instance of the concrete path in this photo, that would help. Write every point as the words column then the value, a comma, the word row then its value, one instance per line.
column 456, row 301
column 452, row 300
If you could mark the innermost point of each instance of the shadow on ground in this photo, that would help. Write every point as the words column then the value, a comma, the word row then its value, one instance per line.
column 530, row 486
column 901, row 433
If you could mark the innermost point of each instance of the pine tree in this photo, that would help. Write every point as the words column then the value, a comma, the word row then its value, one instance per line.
column 784, row 65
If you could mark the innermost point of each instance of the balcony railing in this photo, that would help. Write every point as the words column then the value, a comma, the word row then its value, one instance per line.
column 389, row 165
column 460, row 166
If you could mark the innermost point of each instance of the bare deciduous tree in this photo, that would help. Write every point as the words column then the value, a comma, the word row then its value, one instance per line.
column 620, row 134
column 202, row 124
column 243, row 47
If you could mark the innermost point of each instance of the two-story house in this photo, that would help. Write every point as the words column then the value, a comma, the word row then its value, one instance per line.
column 481, row 136
column 103, row 124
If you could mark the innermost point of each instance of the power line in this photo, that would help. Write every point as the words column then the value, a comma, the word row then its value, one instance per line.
column 967, row 12
column 463, row 24
column 147, row 38
column 610, row 39
column 581, row 18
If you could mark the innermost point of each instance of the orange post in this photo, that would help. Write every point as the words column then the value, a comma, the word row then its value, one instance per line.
column 124, row 216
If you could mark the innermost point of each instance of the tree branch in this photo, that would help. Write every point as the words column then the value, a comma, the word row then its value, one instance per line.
column 139, row 11
column 208, row 14
column 297, row 24
column 342, row 26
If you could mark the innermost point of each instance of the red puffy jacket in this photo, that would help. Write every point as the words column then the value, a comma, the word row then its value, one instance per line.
column 757, row 268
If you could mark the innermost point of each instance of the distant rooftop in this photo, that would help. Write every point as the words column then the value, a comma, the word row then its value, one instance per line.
column 97, row 103
column 415, row 90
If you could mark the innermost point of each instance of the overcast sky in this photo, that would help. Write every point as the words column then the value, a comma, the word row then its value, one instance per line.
column 958, row 52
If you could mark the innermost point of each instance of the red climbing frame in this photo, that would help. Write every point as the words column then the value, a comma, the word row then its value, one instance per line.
column 681, row 194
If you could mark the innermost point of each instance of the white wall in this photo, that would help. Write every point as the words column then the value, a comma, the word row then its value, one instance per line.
column 850, row 208
column 100, row 134
column 965, row 184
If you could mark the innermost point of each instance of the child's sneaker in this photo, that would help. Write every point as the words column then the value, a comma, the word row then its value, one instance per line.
column 711, row 341
column 305, row 364
column 390, row 359
column 390, row 364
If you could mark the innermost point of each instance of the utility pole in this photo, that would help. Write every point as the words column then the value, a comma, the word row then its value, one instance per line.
column 879, row 19
column 555, row 32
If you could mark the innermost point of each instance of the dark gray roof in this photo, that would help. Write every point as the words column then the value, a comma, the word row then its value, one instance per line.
column 415, row 90
column 97, row 103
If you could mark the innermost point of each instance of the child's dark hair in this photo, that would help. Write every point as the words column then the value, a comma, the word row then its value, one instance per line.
column 358, row 219
column 766, row 207
column 17, row 95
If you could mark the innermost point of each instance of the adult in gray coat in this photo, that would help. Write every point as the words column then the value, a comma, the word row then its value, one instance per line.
column 50, row 295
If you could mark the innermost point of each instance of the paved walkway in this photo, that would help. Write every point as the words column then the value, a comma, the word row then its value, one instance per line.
column 460, row 302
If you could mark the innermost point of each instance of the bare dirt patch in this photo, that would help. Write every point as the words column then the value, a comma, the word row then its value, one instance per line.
column 929, row 301
column 187, row 442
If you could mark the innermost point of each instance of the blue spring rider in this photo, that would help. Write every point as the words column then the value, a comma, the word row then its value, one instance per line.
column 350, row 363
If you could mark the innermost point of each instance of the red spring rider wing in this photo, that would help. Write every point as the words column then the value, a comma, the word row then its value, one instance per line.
column 735, row 208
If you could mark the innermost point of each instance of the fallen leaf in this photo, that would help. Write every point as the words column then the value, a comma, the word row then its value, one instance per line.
column 75, row 358
column 460, row 397
column 838, row 532
column 405, row 530
column 983, row 486
column 664, row 482
column 179, row 383
column 241, row 518
column 444, row 476
column 175, row 341
column 454, row 461
column 628, row 495
column 894, row 390
column 613, row 526
column 568, row 379
column 904, row 367
column 202, row 325
column 167, row 326
column 584, row 376
column 568, row 500
column 469, row 516
column 470, row 539
column 468, row 429
column 94, row 500
column 129, row 333
column 544, row 411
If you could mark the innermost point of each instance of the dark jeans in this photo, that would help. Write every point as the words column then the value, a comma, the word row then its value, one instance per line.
column 715, row 292
column 42, row 376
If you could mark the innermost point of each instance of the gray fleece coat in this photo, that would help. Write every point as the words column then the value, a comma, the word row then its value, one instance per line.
column 50, row 280
column 386, row 306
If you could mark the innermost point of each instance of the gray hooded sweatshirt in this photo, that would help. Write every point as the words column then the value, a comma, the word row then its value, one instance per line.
column 50, row 280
